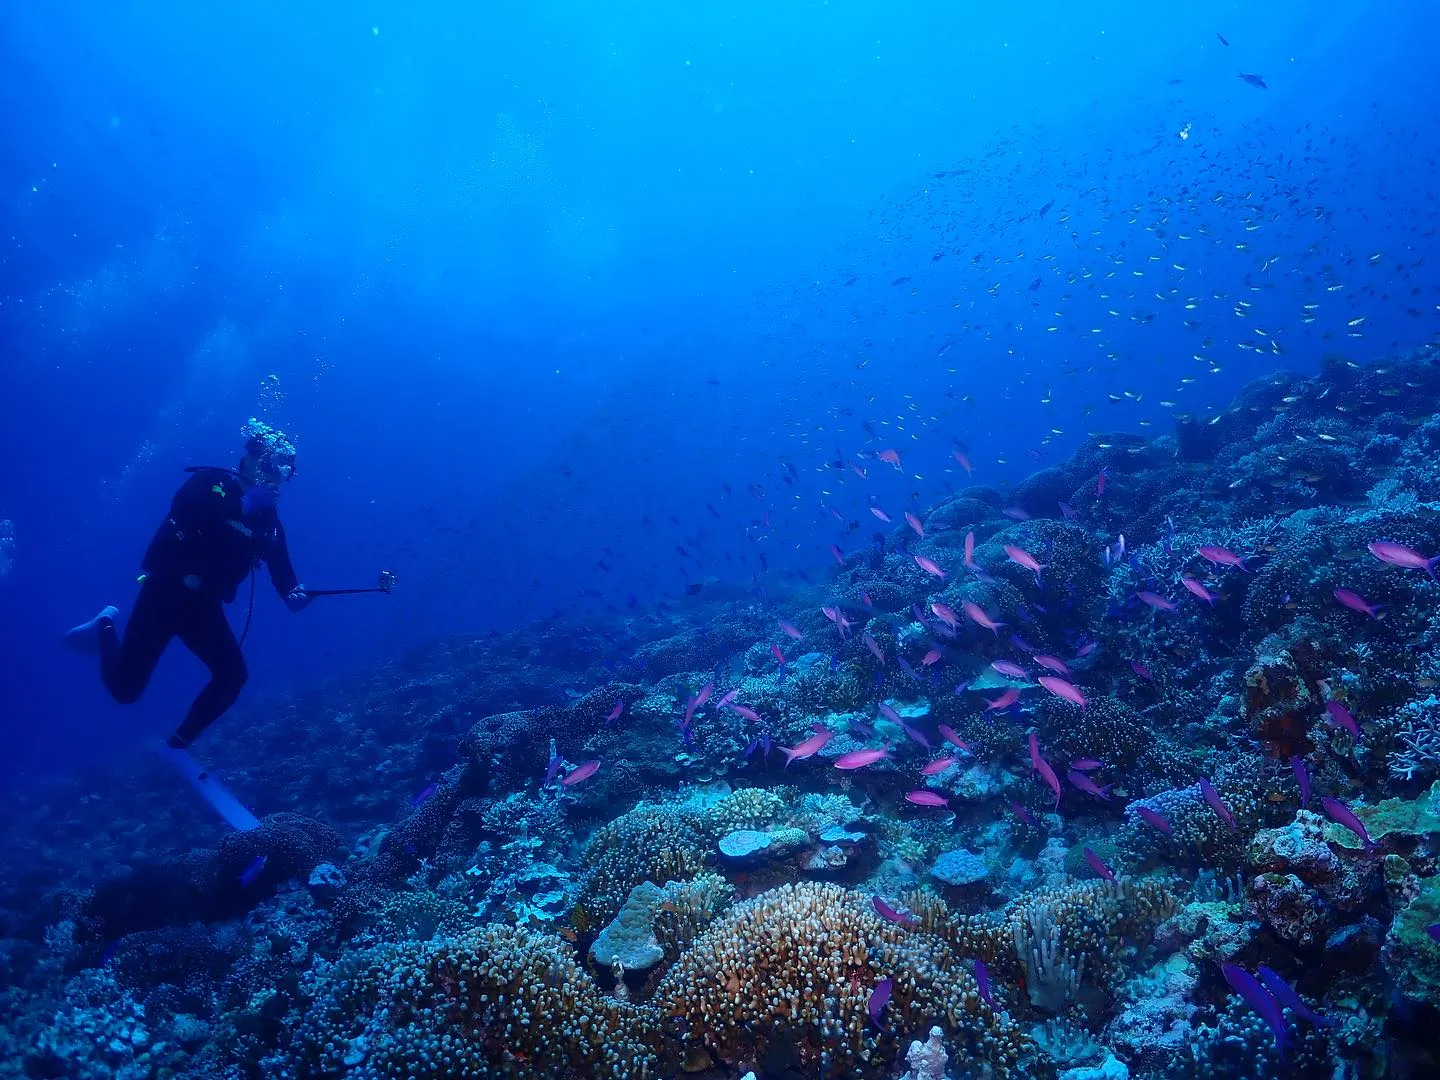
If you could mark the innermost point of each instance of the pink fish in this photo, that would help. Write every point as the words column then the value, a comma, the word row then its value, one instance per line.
column 1086, row 649
column 946, row 614
column 807, row 749
column 1221, row 556
column 1141, row 670
column 695, row 702
column 1155, row 819
column 970, row 550
column 889, row 914
column 1213, row 798
column 791, row 629
column 888, row 712
column 1343, row 815
column 978, row 617
column 835, row 553
column 1085, row 764
column 1004, row 701
column 747, row 712
column 1062, row 689
column 1342, row 717
column 1156, row 601
column 948, row 734
column 1034, row 744
column 1010, row 668
column 775, row 652
column 873, row 646
column 1356, row 602
column 1100, row 479
column 914, row 523
column 1098, row 866
column 963, row 461
column 1023, row 557
column 1014, row 513
column 581, row 772
column 727, row 698
column 1085, row 784
column 930, row 658
column 1023, row 814
column 1048, row 775
column 890, row 457
column 926, row 798
column 1400, row 555
column 615, row 712
column 880, row 514
column 939, row 765
column 858, row 759
column 1198, row 590
column 1052, row 663
column 865, row 599
column 930, row 567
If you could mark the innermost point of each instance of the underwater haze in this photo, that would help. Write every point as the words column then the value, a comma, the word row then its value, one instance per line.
column 743, row 408
column 528, row 286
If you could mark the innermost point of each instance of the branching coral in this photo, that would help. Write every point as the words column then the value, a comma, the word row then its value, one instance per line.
column 1052, row 973
column 790, row 973
column 1416, row 753
column 498, row 1002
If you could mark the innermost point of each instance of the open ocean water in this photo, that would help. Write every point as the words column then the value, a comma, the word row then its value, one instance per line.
column 814, row 540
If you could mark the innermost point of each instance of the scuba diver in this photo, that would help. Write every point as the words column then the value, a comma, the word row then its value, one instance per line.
column 222, row 524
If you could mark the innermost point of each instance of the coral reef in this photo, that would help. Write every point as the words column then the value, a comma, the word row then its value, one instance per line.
column 567, row 862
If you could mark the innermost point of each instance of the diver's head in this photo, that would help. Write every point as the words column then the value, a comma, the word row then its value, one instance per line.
column 269, row 454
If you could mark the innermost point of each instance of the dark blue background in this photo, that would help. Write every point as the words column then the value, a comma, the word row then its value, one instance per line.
column 527, row 286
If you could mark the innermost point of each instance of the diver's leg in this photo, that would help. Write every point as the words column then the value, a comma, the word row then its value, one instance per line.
column 206, row 632
column 126, row 665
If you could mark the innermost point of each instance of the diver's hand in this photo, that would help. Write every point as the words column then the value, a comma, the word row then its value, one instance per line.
column 257, row 499
column 297, row 599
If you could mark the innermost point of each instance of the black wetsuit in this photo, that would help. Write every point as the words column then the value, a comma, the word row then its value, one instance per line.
column 193, row 567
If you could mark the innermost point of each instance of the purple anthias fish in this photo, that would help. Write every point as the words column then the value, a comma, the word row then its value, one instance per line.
column 1282, row 992
column 1213, row 798
column 982, row 978
column 1085, row 784
column 1155, row 819
column 1343, row 815
column 1342, row 717
column 1302, row 777
column 889, row 914
column 1259, row 999
column 879, row 998
column 429, row 789
column 1098, row 866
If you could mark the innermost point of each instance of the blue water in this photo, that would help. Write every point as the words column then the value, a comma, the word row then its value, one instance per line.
column 542, row 293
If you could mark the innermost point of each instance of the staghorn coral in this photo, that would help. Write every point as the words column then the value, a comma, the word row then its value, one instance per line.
column 1416, row 753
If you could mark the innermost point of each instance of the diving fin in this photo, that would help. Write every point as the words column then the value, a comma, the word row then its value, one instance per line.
column 210, row 789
